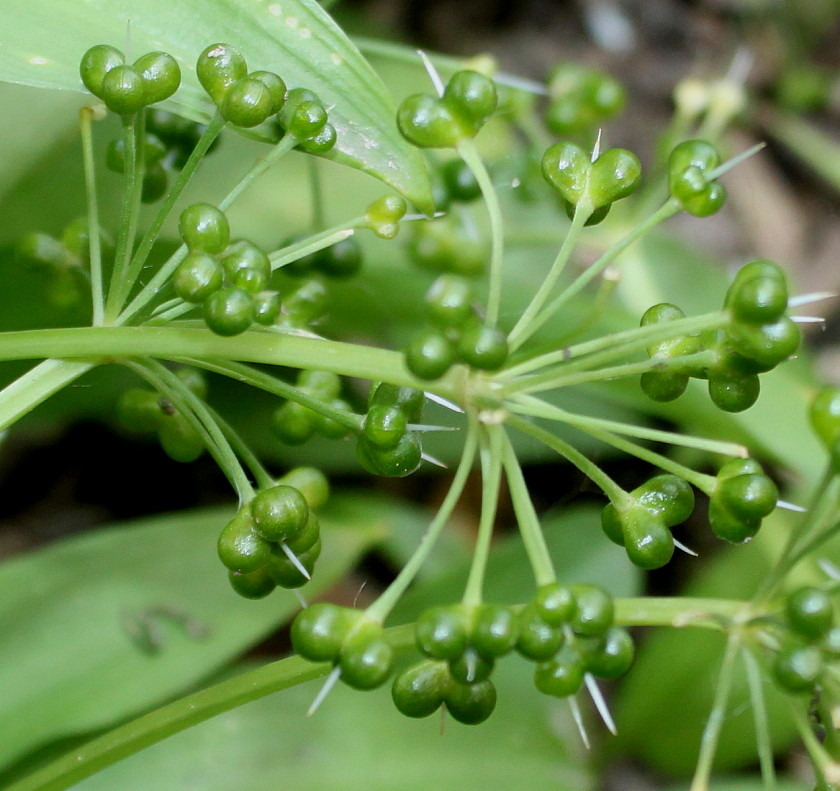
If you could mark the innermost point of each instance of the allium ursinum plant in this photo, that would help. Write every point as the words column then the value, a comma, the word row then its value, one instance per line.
column 214, row 305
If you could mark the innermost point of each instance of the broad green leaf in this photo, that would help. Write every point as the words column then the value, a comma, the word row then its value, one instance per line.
column 359, row 742
column 79, row 618
column 295, row 38
column 580, row 550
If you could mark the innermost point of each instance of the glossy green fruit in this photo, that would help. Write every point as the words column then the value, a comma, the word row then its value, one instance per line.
column 311, row 483
column 275, row 86
column 471, row 666
column 96, row 63
column 614, row 175
column 153, row 150
column 303, row 116
column 662, row 386
column 420, row 689
column 555, row 604
column 383, row 215
column 341, row 260
column 460, row 182
column 254, row 585
column 581, row 98
column 218, row 68
column 537, row 640
column 798, row 669
column 395, row 462
column 306, row 303
column 448, row 301
column 473, row 98
column 566, row 167
column 123, row 90
column 446, row 245
column 293, row 423
column 366, row 660
column 429, row 354
column 319, row 631
column 279, row 513
column 385, row 426
column 139, row 410
column 161, row 75
column 483, row 346
column 471, row 704
column 197, row 277
column 732, row 391
column 204, row 227
column 809, row 612
column 767, row 344
column 287, row 572
column 247, row 266
column 648, row 541
column 409, row 400
column 239, row 547
column 495, row 630
column 441, row 632
column 561, row 676
column 246, row 103
column 155, row 182
column 179, row 440
column 307, row 537
column 266, row 308
column 824, row 413
column 428, row 122
column 610, row 656
column 758, row 294
column 229, row 311
column 594, row 614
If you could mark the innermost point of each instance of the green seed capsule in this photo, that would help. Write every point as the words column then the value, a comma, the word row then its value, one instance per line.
column 733, row 392
column 610, row 656
column 239, row 547
column 254, row 585
column 449, row 300
column 483, row 347
column 279, row 513
column 594, row 614
column 229, row 311
column 495, row 630
column 246, row 103
column 420, row 689
column 366, row 660
column 161, row 75
column 321, row 142
column 471, row 667
column 123, row 90
column 537, row 640
column 266, row 308
column 561, row 676
column 441, row 632
column 798, row 669
column 311, row 483
column 385, row 426
column 287, row 573
column 153, row 150
column 319, row 631
column 472, row 97
column 96, row 63
column 218, row 68
column 275, row 86
column 139, row 410
column 824, row 414
column 809, row 612
column 426, row 122
column 471, row 704
column 307, row 537
column 341, row 260
column 293, row 423
column 395, row 462
column 204, row 227
column 247, row 266
column 460, row 182
column 409, row 400
column 555, row 603
column 179, row 440
column 429, row 355
column 197, row 277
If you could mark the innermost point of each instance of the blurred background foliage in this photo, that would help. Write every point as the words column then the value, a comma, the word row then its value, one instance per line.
column 80, row 588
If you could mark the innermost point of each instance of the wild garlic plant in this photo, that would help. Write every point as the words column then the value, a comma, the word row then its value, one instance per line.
column 220, row 305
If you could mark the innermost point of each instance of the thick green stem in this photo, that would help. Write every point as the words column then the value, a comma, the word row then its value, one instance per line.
column 527, row 519
column 527, row 324
column 272, row 348
column 95, row 242
column 491, row 475
column 469, row 153
column 37, row 385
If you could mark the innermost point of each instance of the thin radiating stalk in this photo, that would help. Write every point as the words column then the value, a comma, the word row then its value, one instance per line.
column 763, row 741
column 385, row 603
column 96, row 275
column 491, row 475
column 469, row 153
column 526, row 517
column 711, row 733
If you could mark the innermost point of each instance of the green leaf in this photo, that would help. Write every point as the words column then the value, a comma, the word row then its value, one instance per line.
column 79, row 618
column 748, row 784
column 295, row 38
column 360, row 742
